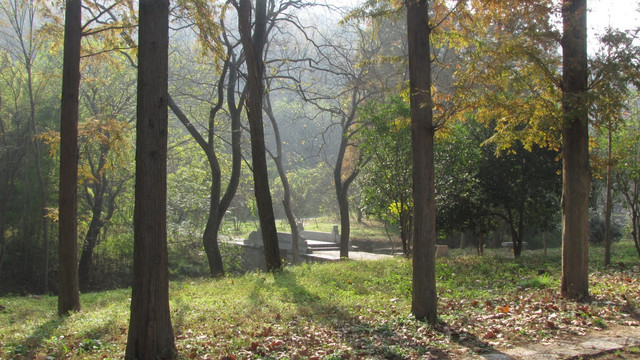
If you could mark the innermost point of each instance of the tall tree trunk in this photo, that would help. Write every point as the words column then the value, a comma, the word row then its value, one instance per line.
column 150, row 330
column 35, row 145
column 575, row 139
column 216, row 267
column 210, row 234
column 68, row 293
column 253, row 49
column 286, row 202
column 607, row 206
column 424, row 297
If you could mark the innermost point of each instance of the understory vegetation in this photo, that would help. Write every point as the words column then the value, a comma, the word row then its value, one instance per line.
column 352, row 309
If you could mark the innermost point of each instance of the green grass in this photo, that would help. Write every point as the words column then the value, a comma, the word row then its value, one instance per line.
column 334, row 310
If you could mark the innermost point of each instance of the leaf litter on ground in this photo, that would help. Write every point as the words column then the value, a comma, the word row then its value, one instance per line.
column 346, row 310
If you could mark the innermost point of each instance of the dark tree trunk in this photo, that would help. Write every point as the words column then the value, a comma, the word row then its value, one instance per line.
column 517, row 243
column 90, row 241
column 424, row 297
column 210, row 234
column 345, row 222
column 217, row 206
column 99, row 190
column 575, row 139
column 516, row 233
column 342, row 192
column 634, row 233
column 150, row 330
column 632, row 200
column 14, row 159
column 253, row 48
column 68, row 293
column 631, row 193
column 286, row 202
column 210, row 242
column 235, row 111
column 405, row 231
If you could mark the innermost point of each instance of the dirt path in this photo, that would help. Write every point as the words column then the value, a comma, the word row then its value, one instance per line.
column 616, row 342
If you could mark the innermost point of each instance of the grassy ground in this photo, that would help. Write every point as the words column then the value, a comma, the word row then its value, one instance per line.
column 342, row 310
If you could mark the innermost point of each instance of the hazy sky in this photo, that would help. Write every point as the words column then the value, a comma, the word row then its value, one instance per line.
column 621, row 14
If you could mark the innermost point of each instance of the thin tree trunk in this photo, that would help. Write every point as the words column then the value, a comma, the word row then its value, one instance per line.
column 405, row 231
column 635, row 226
column 210, row 234
column 10, row 187
column 607, row 209
column 286, row 202
column 217, row 268
column 253, row 48
column 342, row 193
column 68, row 292
column 91, row 238
column 345, row 223
column 424, row 296
column 518, row 234
column 575, row 139
column 36, row 156
column 343, row 200
column 150, row 330
column 631, row 195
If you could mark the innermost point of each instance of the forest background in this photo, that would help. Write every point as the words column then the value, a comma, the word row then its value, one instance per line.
column 337, row 132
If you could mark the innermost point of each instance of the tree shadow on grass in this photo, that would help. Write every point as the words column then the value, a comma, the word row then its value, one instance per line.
column 468, row 340
column 365, row 339
column 35, row 339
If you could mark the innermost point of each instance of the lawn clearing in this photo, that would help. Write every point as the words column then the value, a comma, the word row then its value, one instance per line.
column 341, row 310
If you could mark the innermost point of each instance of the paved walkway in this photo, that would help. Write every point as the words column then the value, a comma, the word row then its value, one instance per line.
column 589, row 346
column 353, row 255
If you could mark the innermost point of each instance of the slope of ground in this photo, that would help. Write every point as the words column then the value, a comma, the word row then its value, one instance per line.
column 488, row 306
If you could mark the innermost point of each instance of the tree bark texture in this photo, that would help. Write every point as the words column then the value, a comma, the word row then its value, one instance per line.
column 345, row 222
column 576, row 174
column 253, row 49
column 424, row 296
column 150, row 330
column 68, row 292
